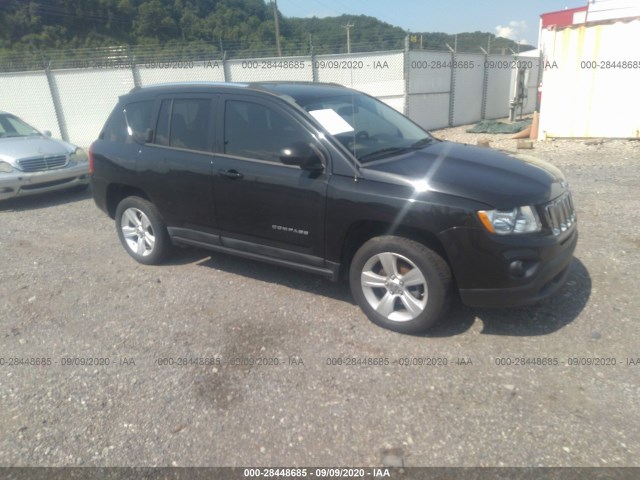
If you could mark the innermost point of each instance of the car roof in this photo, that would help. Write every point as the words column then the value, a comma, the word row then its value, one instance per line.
column 301, row 92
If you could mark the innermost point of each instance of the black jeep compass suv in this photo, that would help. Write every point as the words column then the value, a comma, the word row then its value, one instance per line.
column 332, row 181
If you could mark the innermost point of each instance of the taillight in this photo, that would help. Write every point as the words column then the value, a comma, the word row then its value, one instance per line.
column 91, row 159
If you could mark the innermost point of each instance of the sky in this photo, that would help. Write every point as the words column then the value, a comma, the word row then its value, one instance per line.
column 514, row 19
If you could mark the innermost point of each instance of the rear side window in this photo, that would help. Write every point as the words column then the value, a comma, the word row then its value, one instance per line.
column 184, row 123
column 129, row 123
column 115, row 129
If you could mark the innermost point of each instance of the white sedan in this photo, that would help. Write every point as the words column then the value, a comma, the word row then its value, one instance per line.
column 32, row 162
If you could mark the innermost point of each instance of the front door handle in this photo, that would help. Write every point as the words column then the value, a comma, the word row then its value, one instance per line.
column 230, row 174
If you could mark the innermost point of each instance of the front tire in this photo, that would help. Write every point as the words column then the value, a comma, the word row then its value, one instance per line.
column 142, row 231
column 400, row 284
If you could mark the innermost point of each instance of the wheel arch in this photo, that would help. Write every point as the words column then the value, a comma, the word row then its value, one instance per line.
column 364, row 230
column 116, row 192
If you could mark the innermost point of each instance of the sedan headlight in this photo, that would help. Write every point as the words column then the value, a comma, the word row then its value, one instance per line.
column 5, row 167
column 505, row 222
column 79, row 156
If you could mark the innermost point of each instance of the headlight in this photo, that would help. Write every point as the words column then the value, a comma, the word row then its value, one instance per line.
column 504, row 222
column 79, row 156
column 5, row 167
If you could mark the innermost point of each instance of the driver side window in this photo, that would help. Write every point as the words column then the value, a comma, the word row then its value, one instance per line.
column 258, row 132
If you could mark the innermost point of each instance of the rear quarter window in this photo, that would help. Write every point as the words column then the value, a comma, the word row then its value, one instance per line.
column 128, row 123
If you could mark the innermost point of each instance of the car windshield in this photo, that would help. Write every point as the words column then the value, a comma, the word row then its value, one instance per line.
column 12, row 126
column 368, row 128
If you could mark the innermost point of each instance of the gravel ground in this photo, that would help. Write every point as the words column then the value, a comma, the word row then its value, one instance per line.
column 69, row 291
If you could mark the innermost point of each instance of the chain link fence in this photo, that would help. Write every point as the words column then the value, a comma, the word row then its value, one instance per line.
column 72, row 93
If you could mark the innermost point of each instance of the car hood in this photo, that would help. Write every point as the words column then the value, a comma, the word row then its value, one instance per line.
column 481, row 174
column 15, row 148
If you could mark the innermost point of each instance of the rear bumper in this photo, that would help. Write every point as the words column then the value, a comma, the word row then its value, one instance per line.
column 19, row 184
column 496, row 286
column 99, row 192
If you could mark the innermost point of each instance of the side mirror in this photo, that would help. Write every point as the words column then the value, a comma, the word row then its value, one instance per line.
column 47, row 133
column 302, row 155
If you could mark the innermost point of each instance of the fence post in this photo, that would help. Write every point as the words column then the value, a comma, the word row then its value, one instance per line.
column 137, row 83
column 55, row 98
column 539, row 80
column 312, row 55
column 452, row 88
column 407, row 73
column 485, row 85
column 226, row 75
column 314, row 70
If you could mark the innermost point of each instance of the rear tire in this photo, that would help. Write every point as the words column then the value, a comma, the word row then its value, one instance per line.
column 400, row 284
column 142, row 231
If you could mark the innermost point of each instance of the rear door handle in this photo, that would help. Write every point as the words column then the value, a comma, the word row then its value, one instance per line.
column 230, row 174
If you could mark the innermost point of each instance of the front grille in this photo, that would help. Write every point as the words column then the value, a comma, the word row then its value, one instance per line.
column 41, row 164
column 560, row 214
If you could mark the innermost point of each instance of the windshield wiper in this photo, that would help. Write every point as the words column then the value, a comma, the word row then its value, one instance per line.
column 383, row 152
column 396, row 150
column 422, row 143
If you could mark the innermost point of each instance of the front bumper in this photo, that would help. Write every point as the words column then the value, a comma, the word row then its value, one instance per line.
column 18, row 184
column 483, row 266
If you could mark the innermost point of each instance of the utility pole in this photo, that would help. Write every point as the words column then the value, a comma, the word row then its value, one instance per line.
column 348, row 27
column 275, row 17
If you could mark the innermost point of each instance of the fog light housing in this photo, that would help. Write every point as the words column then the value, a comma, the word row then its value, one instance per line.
column 523, row 268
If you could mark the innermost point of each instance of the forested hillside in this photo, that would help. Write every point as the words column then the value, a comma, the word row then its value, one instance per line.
column 200, row 27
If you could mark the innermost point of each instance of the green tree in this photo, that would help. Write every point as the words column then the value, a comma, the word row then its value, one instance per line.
column 197, row 28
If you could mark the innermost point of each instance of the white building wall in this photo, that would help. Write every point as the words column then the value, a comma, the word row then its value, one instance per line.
column 593, row 90
column 600, row 10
